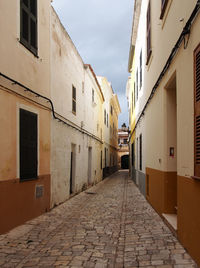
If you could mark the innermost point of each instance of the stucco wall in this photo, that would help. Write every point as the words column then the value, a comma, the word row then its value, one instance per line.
column 22, row 65
column 62, row 140
column 110, row 139
column 68, row 69
column 169, row 117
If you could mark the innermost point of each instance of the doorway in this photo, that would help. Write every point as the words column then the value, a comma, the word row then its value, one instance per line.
column 170, row 181
column 89, row 165
column 72, row 168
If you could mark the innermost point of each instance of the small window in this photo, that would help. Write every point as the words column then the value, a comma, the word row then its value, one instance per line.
column 28, row 24
column 111, row 109
column 28, row 145
column 83, row 87
column 140, row 151
column 107, row 120
column 92, row 95
column 141, row 69
column 137, row 85
column 132, row 102
column 73, row 99
column 125, row 141
column 163, row 8
column 149, row 50
column 133, row 154
column 101, row 160
column 105, row 116
column 105, row 157
column 134, row 94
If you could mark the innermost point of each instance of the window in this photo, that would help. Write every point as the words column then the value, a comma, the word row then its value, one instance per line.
column 141, row 69
column 197, row 112
column 28, row 145
column 111, row 109
column 132, row 154
column 140, row 152
column 132, row 102
column 134, row 94
column 137, row 85
column 148, row 33
column 28, row 24
column 125, row 141
column 101, row 160
column 137, row 154
column 92, row 95
column 73, row 99
column 83, row 87
column 163, row 7
column 105, row 116
column 105, row 157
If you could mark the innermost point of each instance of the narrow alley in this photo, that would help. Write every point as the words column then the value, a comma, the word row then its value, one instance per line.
column 109, row 225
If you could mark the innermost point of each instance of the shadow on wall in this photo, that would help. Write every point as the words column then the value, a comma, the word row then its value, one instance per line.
column 125, row 162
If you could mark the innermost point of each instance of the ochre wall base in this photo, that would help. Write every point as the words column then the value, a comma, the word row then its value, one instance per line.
column 18, row 202
column 165, row 191
column 189, row 216
column 161, row 190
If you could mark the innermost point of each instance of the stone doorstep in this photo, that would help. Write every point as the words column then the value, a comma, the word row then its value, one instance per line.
column 171, row 222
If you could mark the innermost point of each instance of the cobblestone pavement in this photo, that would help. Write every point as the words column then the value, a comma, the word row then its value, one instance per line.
column 109, row 225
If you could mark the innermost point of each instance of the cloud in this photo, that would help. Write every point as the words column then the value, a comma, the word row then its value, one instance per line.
column 101, row 31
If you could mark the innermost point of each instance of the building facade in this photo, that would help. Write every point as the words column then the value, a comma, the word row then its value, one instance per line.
column 123, row 147
column 163, row 104
column 78, row 103
column 111, row 110
column 52, row 115
column 24, row 107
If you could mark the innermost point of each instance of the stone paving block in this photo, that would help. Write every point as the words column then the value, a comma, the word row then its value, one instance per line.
column 115, row 228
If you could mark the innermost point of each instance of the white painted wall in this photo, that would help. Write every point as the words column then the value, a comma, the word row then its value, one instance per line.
column 164, row 34
column 67, row 69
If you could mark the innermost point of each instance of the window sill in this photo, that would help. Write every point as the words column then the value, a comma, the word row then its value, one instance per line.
column 195, row 178
column 148, row 58
column 31, row 179
column 163, row 10
column 35, row 53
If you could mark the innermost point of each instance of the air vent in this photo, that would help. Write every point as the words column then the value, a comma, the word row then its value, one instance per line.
column 39, row 191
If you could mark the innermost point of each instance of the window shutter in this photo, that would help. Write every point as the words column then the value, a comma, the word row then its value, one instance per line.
column 163, row 7
column 73, row 99
column 197, row 111
column 133, row 154
column 29, row 24
column 137, row 85
column 148, row 32
column 141, row 69
column 28, row 145
column 140, row 151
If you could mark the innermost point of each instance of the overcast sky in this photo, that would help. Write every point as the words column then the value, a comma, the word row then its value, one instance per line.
column 101, row 32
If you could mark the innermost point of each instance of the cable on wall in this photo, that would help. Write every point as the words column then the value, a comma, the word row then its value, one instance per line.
column 14, row 82
column 182, row 37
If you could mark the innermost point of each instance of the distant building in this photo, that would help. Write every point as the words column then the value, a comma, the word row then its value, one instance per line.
column 111, row 111
column 76, row 141
column 123, row 148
